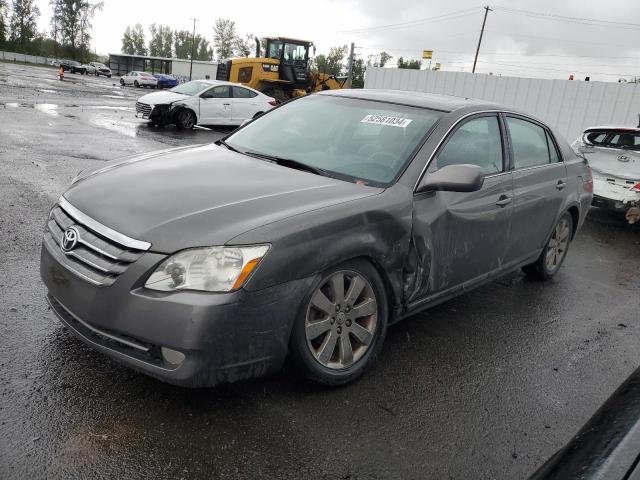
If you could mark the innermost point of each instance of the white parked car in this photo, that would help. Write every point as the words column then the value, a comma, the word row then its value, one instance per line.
column 139, row 79
column 101, row 69
column 613, row 154
column 204, row 102
column 89, row 69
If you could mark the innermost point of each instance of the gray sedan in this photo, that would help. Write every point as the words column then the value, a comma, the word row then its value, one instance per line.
column 302, row 235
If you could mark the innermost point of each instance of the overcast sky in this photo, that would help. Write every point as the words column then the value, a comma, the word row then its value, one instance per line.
column 517, row 43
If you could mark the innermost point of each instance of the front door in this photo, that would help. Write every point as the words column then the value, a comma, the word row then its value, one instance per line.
column 539, row 183
column 461, row 238
column 216, row 106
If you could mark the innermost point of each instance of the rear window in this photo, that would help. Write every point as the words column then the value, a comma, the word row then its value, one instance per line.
column 627, row 139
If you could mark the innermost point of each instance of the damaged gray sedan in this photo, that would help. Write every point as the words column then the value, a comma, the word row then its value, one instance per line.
column 306, row 233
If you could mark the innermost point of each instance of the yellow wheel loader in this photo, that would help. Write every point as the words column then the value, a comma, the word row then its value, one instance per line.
column 282, row 73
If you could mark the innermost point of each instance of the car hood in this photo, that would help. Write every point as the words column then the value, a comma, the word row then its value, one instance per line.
column 201, row 196
column 162, row 97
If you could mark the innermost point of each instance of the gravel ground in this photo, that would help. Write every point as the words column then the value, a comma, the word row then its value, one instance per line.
column 488, row 385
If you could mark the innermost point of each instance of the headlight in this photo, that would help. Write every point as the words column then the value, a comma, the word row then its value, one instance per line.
column 211, row 269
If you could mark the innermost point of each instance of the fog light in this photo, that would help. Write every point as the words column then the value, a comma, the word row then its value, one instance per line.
column 173, row 357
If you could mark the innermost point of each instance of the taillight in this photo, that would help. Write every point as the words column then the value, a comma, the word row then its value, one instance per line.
column 588, row 181
column 273, row 103
column 636, row 187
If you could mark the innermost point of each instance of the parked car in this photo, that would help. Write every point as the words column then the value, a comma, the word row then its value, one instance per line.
column 204, row 102
column 306, row 232
column 166, row 81
column 613, row 154
column 89, row 69
column 73, row 66
column 101, row 69
column 139, row 79
column 55, row 63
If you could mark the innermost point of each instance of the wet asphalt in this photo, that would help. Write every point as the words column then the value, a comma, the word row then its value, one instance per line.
column 488, row 385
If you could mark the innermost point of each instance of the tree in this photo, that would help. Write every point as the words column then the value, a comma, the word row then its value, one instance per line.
column 133, row 42
column 358, row 73
column 23, row 23
column 384, row 58
column 244, row 46
column 410, row 63
column 331, row 64
column 161, row 41
column 203, row 51
column 4, row 21
column 224, row 37
column 71, row 25
column 182, row 43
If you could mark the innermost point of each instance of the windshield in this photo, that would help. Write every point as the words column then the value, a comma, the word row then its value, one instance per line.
column 190, row 88
column 620, row 138
column 354, row 139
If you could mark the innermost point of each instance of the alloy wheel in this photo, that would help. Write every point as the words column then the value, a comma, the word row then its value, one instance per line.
column 341, row 319
column 558, row 244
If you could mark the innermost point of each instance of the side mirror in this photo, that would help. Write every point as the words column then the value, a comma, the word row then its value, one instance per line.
column 453, row 178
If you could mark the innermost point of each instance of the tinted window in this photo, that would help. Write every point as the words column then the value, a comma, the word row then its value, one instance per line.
column 529, row 143
column 221, row 91
column 350, row 138
column 478, row 142
column 630, row 140
column 553, row 151
column 239, row 92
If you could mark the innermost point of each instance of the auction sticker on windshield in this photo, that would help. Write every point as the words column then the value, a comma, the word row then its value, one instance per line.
column 385, row 120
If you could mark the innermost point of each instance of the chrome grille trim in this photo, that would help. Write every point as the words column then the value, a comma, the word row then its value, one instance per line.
column 101, row 229
column 143, row 108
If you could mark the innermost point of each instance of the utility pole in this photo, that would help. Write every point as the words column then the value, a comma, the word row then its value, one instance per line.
column 350, row 70
column 484, row 21
column 193, row 46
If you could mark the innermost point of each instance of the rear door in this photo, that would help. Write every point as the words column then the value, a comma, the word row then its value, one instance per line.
column 461, row 237
column 216, row 106
column 539, row 183
column 245, row 105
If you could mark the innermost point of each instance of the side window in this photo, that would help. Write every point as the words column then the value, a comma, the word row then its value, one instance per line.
column 529, row 143
column 239, row 92
column 478, row 142
column 244, row 74
column 221, row 91
column 553, row 151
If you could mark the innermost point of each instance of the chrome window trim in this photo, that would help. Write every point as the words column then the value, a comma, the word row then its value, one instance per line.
column 103, row 230
column 452, row 127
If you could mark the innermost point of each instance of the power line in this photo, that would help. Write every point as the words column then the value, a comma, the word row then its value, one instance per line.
column 566, row 18
column 390, row 26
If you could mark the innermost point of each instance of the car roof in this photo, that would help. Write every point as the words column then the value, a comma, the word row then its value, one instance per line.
column 222, row 82
column 447, row 103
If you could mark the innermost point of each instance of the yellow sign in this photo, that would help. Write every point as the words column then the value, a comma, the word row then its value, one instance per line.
column 428, row 54
column 438, row 66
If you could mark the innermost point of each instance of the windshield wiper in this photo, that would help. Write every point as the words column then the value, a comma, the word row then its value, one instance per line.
column 289, row 162
column 225, row 144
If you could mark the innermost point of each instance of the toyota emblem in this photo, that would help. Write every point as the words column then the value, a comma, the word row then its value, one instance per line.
column 70, row 239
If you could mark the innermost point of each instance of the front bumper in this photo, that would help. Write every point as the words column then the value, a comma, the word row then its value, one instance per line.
column 223, row 337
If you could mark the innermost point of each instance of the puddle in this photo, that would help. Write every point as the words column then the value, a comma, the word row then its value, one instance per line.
column 11, row 105
column 48, row 108
column 45, row 90
column 123, row 128
column 107, row 107
column 119, row 97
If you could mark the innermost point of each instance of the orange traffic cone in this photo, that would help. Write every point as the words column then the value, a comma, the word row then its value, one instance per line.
column 61, row 73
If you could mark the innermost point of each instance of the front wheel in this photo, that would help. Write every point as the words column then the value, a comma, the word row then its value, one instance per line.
column 185, row 119
column 122, row 82
column 342, row 324
column 554, row 252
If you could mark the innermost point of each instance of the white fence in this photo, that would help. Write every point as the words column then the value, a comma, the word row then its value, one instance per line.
column 23, row 57
column 568, row 105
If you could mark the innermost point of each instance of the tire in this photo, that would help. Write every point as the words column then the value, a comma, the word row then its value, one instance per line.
column 258, row 114
column 122, row 82
column 108, row 76
column 276, row 92
column 324, row 333
column 554, row 252
column 136, row 84
column 185, row 119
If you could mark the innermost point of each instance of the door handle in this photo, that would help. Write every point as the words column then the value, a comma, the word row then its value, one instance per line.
column 561, row 184
column 503, row 201
column 226, row 104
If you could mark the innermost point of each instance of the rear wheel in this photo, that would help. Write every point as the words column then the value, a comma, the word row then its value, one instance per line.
column 136, row 84
column 258, row 114
column 554, row 252
column 122, row 82
column 342, row 324
column 185, row 119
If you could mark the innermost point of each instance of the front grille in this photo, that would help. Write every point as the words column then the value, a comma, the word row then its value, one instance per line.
column 97, row 259
column 143, row 108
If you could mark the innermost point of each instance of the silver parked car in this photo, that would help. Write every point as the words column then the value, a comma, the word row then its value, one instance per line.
column 613, row 154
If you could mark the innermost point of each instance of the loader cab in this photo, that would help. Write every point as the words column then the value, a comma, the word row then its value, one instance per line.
column 294, row 59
